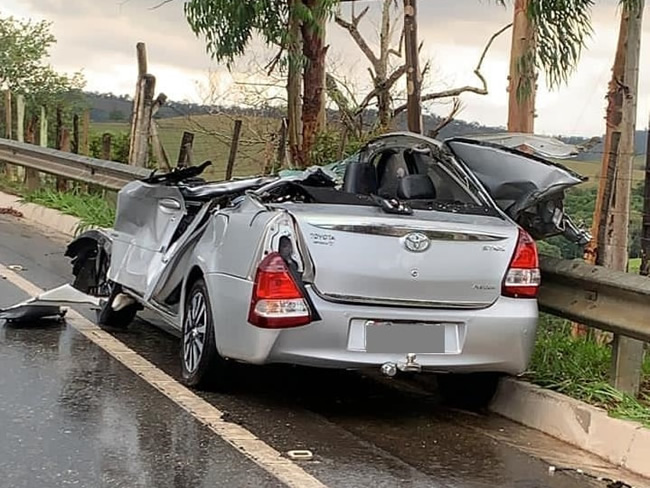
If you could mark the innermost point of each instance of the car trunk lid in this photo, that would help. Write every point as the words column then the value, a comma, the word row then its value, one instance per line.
column 429, row 259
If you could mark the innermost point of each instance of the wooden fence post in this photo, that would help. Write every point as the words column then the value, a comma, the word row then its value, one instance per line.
column 156, row 144
column 106, row 146
column 8, row 113
column 85, row 134
column 282, row 144
column 59, row 127
column 75, row 134
column 185, row 152
column 64, row 144
column 32, row 177
column 139, row 154
column 234, row 145
column 141, row 52
column 44, row 128
column 20, row 118
column 4, row 168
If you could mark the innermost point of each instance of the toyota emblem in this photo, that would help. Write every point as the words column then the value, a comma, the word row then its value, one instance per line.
column 416, row 242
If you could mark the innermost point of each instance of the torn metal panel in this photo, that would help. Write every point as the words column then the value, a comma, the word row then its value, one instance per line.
column 544, row 146
column 47, row 305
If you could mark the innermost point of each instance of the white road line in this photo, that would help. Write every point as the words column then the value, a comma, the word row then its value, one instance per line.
column 244, row 441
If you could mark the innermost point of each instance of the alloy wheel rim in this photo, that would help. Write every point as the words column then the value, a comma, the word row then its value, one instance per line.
column 194, row 331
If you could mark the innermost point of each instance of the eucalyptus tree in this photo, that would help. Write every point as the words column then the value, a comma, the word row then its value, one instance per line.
column 297, row 27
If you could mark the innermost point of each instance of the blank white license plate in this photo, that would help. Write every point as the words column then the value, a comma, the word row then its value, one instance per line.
column 403, row 338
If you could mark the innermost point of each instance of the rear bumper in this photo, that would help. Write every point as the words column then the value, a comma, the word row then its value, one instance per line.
column 496, row 339
column 499, row 338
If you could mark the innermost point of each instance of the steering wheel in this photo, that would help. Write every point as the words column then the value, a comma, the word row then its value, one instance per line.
column 178, row 175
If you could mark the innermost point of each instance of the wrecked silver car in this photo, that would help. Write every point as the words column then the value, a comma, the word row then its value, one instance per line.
column 412, row 255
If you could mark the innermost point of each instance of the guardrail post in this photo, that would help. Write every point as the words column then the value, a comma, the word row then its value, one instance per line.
column 627, row 359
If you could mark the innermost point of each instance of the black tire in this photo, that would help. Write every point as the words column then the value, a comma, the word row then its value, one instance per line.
column 119, row 319
column 472, row 391
column 201, row 365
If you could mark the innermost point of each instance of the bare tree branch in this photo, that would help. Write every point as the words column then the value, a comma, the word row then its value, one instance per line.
column 390, row 82
column 273, row 63
column 457, row 106
column 398, row 52
column 352, row 28
column 342, row 102
column 454, row 92
column 158, row 5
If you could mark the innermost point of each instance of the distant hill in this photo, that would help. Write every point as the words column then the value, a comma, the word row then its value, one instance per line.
column 107, row 107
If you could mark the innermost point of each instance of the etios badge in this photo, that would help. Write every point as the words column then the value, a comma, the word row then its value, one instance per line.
column 416, row 242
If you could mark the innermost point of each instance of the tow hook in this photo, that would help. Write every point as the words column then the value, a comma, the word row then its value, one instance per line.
column 408, row 366
column 411, row 365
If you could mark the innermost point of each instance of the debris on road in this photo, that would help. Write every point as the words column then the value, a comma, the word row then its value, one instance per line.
column 16, row 267
column 300, row 455
column 11, row 211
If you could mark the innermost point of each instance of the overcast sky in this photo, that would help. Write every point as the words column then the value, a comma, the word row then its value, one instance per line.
column 99, row 37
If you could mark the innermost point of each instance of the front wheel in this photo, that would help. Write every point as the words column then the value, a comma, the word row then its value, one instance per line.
column 118, row 319
column 201, row 365
column 471, row 391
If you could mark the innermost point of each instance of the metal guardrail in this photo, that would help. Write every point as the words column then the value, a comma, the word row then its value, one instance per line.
column 595, row 296
column 107, row 174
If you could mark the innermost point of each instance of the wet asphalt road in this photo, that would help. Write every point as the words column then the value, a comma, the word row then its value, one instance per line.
column 70, row 415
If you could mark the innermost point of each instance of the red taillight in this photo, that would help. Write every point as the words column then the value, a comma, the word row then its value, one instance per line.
column 277, row 301
column 523, row 277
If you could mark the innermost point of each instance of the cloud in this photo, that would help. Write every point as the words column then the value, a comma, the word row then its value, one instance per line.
column 99, row 36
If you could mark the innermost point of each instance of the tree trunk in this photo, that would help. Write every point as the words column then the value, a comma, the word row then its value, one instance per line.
column 413, row 75
column 613, row 120
column 315, row 52
column 521, row 81
column 294, row 85
column 609, row 246
column 381, row 70
column 627, row 353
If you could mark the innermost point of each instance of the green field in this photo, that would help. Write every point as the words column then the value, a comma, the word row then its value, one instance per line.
column 212, row 139
column 591, row 169
column 633, row 265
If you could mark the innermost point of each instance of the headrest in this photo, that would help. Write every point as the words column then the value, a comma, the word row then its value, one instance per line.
column 360, row 178
column 416, row 187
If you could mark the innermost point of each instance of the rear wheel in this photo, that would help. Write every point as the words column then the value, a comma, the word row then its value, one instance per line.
column 472, row 391
column 201, row 365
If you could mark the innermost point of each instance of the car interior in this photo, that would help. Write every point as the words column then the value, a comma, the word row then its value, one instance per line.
column 404, row 174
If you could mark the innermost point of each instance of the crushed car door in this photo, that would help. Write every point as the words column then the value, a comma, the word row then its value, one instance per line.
column 528, row 188
column 147, row 219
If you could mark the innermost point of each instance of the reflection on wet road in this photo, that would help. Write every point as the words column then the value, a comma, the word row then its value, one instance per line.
column 70, row 415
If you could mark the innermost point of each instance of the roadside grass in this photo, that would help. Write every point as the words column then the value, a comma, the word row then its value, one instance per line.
column 633, row 265
column 579, row 367
column 92, row 209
